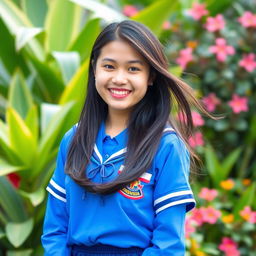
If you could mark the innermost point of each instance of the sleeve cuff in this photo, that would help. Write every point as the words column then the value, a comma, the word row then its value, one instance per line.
column 169, row 200
column 56, row 190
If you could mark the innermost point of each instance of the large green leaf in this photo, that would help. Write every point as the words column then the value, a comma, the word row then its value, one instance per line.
column 6, row 168
column 36, row 197
column 26, row 252
column 32, row 121
column 49, row 83
column 62, row 24
column 47, row 113
column 212, row 164
column 10, row 59
column 75, row 90
column 20, row 97
column 85, row 40
column 154, row 15
column 69, row 62
column 35, row 11
column 246, row 199
column 5, row 76
column 24, row 35
column 216, row 7
column 21, row 138
column 101, row 10
column 14, row 18
column 51, row 136
column 11, row 202
column 229, row 162
column 6, row 148
column 17, row 233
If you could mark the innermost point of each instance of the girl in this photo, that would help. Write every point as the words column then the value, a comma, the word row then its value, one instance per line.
column 121, row 182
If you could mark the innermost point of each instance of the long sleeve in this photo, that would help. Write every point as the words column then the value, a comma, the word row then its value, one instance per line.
column 168, row 236
column 172, row 199
column 54, row 238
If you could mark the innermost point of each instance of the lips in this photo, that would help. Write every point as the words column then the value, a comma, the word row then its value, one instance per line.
column 119, row 93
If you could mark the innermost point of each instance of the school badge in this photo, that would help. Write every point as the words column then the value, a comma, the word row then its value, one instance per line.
column 134, row 189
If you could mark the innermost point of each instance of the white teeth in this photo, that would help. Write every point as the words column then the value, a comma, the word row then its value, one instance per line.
column 119, row 92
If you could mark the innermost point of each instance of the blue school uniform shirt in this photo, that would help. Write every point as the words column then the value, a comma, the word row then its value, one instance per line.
column 148, row 213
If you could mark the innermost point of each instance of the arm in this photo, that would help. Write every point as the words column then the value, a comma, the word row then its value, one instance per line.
column 54, row 238
column 168, row 236
column 172, row 198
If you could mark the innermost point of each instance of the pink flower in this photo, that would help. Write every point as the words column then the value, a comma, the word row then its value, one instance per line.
column 197, row 119
column 248, row 20
column 208, row 194
column 189, row 227
column 196, row 140
column 211, row 101
column 210, row 215
column 229, row 247
column 166, row 25
column 130, row 10
column 196, row 216
column 185, row 56
column 248, row 62
column 221, row 49
column 248, row 214
column 197, row 11
column 215, row 23
column 238, row 104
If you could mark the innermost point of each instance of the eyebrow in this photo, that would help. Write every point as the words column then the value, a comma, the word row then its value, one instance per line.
column 129, row 62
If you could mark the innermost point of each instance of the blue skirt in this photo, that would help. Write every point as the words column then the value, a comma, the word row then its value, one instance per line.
column 105, row 250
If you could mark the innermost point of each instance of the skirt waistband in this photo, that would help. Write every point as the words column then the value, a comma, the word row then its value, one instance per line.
column 101, row 249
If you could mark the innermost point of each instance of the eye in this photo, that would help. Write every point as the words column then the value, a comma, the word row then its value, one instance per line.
column 108, row 66
column 133, row 69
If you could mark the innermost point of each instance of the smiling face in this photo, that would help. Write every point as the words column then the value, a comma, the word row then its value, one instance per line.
column 121, row 76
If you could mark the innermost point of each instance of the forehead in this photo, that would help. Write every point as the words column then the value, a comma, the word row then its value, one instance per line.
column 120, row 51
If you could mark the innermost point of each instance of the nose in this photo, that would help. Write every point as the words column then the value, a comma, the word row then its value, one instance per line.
column 119, row 78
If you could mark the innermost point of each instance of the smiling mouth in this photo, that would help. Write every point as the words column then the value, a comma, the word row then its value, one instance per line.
column 119, row 93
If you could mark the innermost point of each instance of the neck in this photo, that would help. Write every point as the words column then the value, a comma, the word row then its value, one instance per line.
column 116, row 122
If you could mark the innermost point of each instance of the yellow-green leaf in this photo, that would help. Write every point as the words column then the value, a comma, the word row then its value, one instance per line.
column 20, row 97
column 22, row 140
column 62, row 24
column 17, row 233
column 14, row 18
column 154, row 15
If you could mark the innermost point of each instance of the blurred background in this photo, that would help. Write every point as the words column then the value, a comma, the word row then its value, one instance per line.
column 44, row 51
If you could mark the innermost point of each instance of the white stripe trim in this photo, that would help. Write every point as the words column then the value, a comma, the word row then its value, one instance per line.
column 147, row 176
column 191, row 200
column 55, row 195
column 180, row 193
column 55, row 185
column 169, row 129
column 120, row 152
column 98, row 153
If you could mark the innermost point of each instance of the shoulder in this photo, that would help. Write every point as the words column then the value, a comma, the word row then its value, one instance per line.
column 171, row 145
column 67, row 138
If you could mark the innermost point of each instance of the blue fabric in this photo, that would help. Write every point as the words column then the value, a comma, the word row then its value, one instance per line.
column 105, row 250
column 149, row 213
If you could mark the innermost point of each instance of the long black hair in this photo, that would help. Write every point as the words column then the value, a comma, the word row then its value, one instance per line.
column 148, row 117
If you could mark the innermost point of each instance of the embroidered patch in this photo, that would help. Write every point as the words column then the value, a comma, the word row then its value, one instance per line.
column 133, row 190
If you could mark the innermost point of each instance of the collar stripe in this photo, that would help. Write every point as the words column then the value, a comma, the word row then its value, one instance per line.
column 98, row 153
